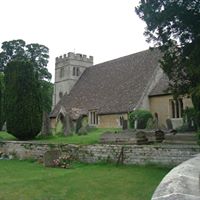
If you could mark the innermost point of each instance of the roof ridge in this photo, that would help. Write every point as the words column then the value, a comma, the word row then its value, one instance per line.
column 122, row 57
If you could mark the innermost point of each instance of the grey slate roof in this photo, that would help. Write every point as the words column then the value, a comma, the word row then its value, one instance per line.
column 114, row 86
column 161, row 87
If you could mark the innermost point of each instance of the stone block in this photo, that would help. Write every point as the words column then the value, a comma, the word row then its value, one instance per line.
column 50, row 156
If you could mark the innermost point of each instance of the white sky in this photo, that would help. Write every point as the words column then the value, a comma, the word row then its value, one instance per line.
column 105, row 29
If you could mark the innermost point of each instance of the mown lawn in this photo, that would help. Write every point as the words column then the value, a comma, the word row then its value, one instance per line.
column 91, row 138
column 31, row 181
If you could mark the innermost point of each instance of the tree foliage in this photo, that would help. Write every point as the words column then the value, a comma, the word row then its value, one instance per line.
column 173, row 26
column 36, row 57
column 35, row 53
column 2, row 101
column 141, row 116
column 23, row 100
column 47, row 93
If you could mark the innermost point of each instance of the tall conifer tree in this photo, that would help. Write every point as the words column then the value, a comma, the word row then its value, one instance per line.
column 23, row 100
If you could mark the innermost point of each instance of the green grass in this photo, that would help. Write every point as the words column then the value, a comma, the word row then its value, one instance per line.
column 31, row 181
column 5, row 136
column 91, row 138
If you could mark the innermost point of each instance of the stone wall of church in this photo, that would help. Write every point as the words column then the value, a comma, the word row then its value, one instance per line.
column 111, row 121
column 161, row 105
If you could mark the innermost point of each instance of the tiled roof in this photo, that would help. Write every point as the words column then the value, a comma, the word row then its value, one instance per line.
column 161, row 87
column 114, row 86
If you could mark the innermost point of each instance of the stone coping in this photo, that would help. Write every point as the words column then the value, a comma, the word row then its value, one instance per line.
column 181, row 183
column 160, row 145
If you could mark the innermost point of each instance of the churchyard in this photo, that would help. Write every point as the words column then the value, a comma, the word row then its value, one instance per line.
column 106, row 164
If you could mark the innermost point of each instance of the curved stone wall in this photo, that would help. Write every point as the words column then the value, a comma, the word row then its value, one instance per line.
column 181, row 183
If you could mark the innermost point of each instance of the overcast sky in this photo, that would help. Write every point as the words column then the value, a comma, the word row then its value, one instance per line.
column 105, row 29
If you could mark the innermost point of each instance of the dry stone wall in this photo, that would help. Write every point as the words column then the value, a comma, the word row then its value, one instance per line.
column 128, row 154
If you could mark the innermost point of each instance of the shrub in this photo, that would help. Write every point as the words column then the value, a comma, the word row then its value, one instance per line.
column 142, row 117
column 190, row 119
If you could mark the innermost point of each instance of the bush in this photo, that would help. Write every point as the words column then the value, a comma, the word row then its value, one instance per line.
column 190, row 119
column 142, row 117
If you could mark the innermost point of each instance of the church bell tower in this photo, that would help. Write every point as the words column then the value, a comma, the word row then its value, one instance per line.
column 68, row 69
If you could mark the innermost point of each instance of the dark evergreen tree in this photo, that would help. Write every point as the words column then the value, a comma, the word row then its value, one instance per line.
column 23, row 99
column 173, row 26
column 2, row 106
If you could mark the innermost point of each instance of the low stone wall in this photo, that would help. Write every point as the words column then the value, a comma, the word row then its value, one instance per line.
column 128, row 154
column 183, row 182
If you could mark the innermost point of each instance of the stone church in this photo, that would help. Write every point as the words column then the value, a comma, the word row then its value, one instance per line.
column 107, row 92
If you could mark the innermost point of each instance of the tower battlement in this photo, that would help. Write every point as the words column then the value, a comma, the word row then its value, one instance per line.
column 73, row 56
column 68, row 69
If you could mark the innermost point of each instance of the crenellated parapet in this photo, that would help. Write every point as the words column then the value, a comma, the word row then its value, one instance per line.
column 68, row 69
column 74, row 56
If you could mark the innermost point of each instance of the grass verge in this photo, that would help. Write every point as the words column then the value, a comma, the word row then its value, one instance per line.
column 91, row 138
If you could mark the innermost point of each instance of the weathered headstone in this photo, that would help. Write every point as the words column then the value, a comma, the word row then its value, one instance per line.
column 68, row 125
column 156, row 120
column 169, row 124
column 4, row 128
column 45, row 124
column 124, row 124
column 50, row 156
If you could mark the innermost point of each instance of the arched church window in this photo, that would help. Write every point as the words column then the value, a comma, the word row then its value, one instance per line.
column 76, row 71
column 176, row 108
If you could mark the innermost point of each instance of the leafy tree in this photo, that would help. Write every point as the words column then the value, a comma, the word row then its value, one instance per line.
column 36, row 53
column 173, row 26
column 2, row 106
column 23, row 100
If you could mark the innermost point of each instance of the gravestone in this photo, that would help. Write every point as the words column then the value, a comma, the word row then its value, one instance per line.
column 68, row 125
column 124, row 124
column 45, row 124
column 4, row 128
column 169, row 124
column 50, row 156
